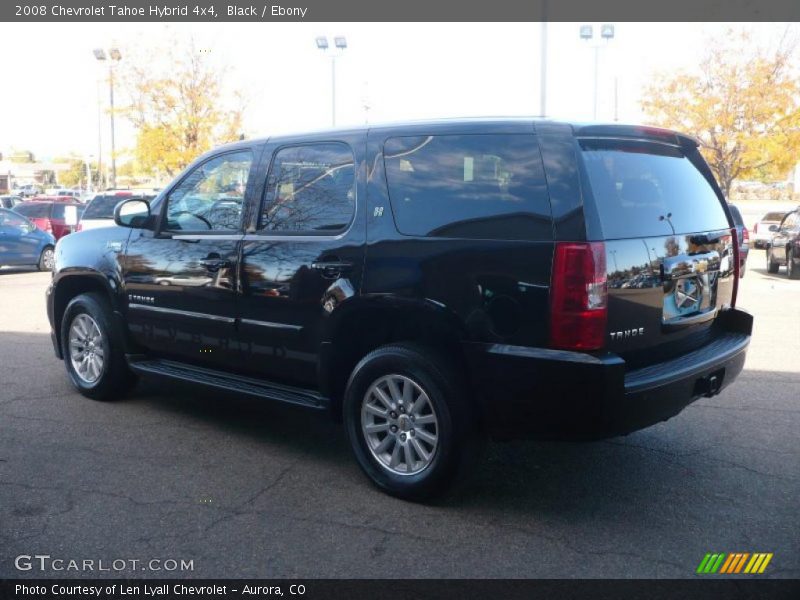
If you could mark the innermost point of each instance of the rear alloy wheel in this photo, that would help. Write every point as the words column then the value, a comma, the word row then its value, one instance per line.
column 410, row 422
column 47, row 260
column 772, row 266
column 792, row 269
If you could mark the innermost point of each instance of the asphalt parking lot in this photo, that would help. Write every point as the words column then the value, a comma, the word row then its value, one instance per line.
column 245, row 489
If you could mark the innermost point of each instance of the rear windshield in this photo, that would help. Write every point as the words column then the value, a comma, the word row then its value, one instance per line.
column 34, row 211
column 774, row 216
column 646, row 189
column 102, row 207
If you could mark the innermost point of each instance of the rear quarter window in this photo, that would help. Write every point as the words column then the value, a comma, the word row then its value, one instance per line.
column 646, row 189
column 468, row 186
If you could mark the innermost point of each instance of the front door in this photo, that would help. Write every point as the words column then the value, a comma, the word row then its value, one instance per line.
column 181, row 279
column 303, row 260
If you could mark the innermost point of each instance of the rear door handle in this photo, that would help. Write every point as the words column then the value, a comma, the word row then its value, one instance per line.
column 215, row 264
column 332, row 268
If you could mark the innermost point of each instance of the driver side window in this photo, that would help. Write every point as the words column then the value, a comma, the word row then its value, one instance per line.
column 211, row 197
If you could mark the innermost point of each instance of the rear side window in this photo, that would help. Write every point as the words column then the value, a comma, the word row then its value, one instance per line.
column 310, row 189
column 468, row 186
column 646, row 189
column 34, row 211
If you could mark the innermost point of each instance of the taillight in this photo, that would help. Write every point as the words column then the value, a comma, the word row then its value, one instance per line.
column 736, row 267
column 745, row 235
column 578, row 296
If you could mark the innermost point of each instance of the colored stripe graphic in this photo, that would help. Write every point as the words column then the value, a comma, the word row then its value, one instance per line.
column 734, row 563
column 711, row 563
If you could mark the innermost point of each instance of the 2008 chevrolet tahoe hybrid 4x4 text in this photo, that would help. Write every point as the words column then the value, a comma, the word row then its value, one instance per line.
column 426, row 283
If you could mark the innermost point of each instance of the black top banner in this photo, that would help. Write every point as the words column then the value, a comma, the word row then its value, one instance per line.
column 402, row 10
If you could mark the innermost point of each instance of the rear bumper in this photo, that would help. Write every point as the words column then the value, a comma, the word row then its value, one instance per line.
column 553, row 394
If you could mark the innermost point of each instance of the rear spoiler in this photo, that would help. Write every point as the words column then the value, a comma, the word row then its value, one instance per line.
column 636, row 132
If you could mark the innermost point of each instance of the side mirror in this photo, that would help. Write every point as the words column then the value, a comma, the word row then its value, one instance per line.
column 773, row 228
column 133, row 213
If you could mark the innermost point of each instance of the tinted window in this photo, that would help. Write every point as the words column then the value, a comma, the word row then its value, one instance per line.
column 211, row 197
column 737, row 216
column 310, row 189
column 468, row 186
column 34, row 211
column 791, row 222
column 773, row 216
column 644, row 189
column 102, row 207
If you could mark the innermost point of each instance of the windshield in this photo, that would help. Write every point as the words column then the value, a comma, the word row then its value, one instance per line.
column 644, row 189
column 102, row 207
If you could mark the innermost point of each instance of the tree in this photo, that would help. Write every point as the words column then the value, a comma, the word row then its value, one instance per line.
column 742, row 104
column 180, row 110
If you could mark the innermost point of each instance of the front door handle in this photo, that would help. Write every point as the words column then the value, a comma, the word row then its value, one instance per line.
column 332, row 268
column 215, row 264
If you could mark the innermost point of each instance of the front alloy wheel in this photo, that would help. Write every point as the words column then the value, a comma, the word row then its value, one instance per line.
column 87, row 348
column 399, row 424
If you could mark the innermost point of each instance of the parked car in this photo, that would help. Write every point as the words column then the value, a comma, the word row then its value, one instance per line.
column 743, row 236
column 50, row 215
column 100, row 210
column 74, row 194
column 9, row 201
column 22, row 243
column 784, row 249
column 28, row 190
column 761, row 230
column 425, row 283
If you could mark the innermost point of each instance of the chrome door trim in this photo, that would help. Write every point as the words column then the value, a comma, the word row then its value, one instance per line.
column 271, row 324
column 183, row 313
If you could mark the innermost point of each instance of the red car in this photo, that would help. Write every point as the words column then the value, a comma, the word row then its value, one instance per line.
column 49, row 213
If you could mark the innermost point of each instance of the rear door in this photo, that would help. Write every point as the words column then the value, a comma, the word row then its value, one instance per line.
column 303, row 258
column 669, row 245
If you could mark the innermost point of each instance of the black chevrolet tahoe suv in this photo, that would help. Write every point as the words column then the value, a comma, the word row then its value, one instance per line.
column 428, row 284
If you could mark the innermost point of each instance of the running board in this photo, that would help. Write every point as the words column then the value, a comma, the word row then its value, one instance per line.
column 226, row 381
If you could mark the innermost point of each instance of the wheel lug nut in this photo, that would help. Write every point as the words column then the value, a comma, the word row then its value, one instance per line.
column 411, row 433
column 393, row 414
column 403, row 437
column 393, row 428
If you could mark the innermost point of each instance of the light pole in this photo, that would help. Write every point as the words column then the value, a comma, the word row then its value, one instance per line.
column 587, row 34
column 340, row 43
column 115, row 55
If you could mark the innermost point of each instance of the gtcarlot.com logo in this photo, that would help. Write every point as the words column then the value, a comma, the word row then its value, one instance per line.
column 734, row 563
column 45, row 562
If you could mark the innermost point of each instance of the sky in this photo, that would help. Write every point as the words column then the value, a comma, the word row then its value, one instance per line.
column 52, row 84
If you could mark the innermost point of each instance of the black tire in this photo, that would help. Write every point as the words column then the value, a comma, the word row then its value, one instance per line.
column 47, row 259
column 459, row 439
column 792, row 270
column 115, row 378
column 772, row 266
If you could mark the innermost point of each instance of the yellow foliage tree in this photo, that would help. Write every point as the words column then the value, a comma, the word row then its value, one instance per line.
column 179, row 111
column 742, row 104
